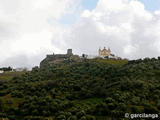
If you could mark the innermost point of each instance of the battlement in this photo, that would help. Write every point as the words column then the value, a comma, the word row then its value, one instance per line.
column 69, row 52
column 56, row 58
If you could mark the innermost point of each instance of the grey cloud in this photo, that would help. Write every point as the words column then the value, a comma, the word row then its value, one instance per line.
column 23, row 61
column 23, row 27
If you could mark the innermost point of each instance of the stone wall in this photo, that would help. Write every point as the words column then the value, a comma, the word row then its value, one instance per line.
column 58, row 58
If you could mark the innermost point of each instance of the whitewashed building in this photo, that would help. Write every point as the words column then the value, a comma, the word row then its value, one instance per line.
column 1, row 71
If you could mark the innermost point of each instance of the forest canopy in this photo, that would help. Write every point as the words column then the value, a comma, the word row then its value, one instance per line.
column 88, row 90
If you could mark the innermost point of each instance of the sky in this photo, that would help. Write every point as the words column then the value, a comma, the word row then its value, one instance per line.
column 31, row 29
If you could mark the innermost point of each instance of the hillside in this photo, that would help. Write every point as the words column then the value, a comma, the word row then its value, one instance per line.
column 102, row 89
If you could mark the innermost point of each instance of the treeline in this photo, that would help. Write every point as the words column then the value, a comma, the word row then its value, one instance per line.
column 6, row 68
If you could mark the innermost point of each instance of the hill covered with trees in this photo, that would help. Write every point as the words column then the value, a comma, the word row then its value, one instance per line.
column 93, row 89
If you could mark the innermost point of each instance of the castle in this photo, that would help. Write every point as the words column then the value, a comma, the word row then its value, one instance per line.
column 57, row 58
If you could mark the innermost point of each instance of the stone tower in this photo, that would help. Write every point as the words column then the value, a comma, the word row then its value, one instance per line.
column 69, row 52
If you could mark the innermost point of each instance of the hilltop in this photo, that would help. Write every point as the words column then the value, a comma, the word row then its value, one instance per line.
column 69, row 57
column 87, row 90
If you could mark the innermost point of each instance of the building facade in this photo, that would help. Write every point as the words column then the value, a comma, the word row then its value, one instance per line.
column 104, row 52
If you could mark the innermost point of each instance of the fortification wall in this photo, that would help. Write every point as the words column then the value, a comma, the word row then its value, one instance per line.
column 57, row 58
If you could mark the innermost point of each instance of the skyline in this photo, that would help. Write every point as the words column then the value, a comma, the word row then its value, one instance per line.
column 31, row 29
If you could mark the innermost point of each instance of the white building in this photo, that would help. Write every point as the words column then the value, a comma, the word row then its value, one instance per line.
column 21, row 69
column 92, row 56
column 1, row 71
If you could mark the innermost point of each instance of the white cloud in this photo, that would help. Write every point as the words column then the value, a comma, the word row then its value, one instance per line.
column 86, row 13
column 124, row 25
column 29, row 29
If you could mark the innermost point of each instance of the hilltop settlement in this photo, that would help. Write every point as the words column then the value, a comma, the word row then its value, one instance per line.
column 69, row 56
column 100, row 88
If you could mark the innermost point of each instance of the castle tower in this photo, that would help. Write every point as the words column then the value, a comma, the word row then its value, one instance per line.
column 69, row 52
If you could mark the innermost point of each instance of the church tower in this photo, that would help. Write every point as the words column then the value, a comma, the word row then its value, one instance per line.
column 104, row 52
column 99, row 51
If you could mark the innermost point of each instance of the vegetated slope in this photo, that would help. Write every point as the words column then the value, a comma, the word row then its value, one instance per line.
column 92, row 89
column 6, row 76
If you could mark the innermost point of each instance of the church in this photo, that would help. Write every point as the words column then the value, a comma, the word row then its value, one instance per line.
column 104, row 52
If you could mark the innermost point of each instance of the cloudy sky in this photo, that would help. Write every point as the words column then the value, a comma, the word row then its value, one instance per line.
column 30, row 29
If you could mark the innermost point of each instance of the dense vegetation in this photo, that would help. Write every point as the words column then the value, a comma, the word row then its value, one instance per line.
column 6, row 69
column 88, row 90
